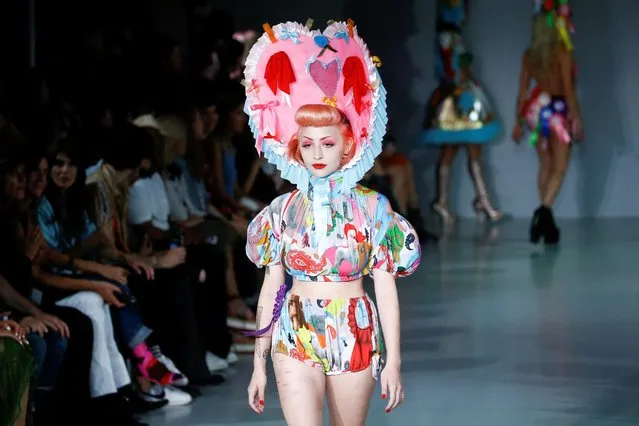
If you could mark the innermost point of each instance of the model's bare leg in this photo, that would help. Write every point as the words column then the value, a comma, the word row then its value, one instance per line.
column 301, row 389
column 545, row 169
column 349, row 396
column 560, row 158
column 482, row 202
column 553, row 165
column 446, row 159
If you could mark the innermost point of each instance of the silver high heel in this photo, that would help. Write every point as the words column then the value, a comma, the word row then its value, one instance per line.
column 482, row 204
column 441, row 205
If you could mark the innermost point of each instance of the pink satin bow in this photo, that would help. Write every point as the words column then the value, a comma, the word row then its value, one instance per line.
column 263, row 108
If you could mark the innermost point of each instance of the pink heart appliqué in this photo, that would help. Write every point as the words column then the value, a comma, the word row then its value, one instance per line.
column 325, row 76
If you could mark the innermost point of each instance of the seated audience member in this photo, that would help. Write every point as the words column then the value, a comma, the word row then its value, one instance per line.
column 47, row 338
column 187, row 214
column 66, row 227
column 62, row 287
column 22, row 251
column 196, row 164
column 165, row 296
column 108, row 188
column 46, row 333
column 223, row 182
column 148, row 212
column 17, row 367
column 78, row 357
column 16, row 266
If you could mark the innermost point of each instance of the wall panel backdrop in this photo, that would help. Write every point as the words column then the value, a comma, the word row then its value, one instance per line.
column 603, row 177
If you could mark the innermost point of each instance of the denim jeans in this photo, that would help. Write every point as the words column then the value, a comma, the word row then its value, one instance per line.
column 128, row 321
column 131, row 328
column 48, row 351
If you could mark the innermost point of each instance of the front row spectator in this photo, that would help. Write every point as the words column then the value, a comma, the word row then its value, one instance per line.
column 165, row 298
column 16, row 368
column 148, row 212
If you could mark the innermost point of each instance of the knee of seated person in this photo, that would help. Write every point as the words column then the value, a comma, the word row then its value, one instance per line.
column 60, row 342
column 91, row 304
column 38, row 346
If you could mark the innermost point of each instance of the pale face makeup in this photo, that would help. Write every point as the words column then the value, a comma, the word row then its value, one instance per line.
column 322, row 149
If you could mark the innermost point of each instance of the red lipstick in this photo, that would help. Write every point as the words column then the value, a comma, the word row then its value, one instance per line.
column 319, row 165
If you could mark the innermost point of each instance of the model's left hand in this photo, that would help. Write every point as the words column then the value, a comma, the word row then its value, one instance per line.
column 392, row 388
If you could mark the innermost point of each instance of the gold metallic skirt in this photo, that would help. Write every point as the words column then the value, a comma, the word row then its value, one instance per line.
column 458, row 115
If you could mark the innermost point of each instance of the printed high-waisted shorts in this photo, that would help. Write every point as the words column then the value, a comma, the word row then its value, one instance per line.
column 334, row 335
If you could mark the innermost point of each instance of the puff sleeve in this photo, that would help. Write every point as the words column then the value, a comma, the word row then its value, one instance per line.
column 396, row 247
column 263, row 246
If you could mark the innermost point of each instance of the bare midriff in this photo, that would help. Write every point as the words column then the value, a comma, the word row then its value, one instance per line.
column 328, row 290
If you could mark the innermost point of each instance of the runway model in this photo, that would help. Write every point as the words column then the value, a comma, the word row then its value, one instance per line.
column 550, row 110
column 458, row 112
column 317, row 109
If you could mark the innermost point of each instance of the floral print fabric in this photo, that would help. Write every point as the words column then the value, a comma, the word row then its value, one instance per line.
column 362, row 234
column 333, row 335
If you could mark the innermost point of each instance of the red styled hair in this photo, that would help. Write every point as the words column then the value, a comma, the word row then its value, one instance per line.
column 321, row 115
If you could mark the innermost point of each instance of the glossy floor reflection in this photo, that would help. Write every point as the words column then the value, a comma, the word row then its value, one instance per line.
column 498, row 332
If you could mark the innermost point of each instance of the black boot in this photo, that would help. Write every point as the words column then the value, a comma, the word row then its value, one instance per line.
column 537, row 224
column 543, row 225
column 551, row 232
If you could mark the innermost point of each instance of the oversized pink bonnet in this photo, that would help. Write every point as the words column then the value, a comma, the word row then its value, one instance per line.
column 291, row 65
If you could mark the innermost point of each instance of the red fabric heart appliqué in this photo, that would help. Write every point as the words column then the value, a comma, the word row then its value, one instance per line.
column 325, row 76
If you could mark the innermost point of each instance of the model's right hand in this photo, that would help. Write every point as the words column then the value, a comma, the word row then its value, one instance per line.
column 256, row 390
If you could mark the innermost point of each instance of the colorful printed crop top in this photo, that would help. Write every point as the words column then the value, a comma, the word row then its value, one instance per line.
column 362, row 234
